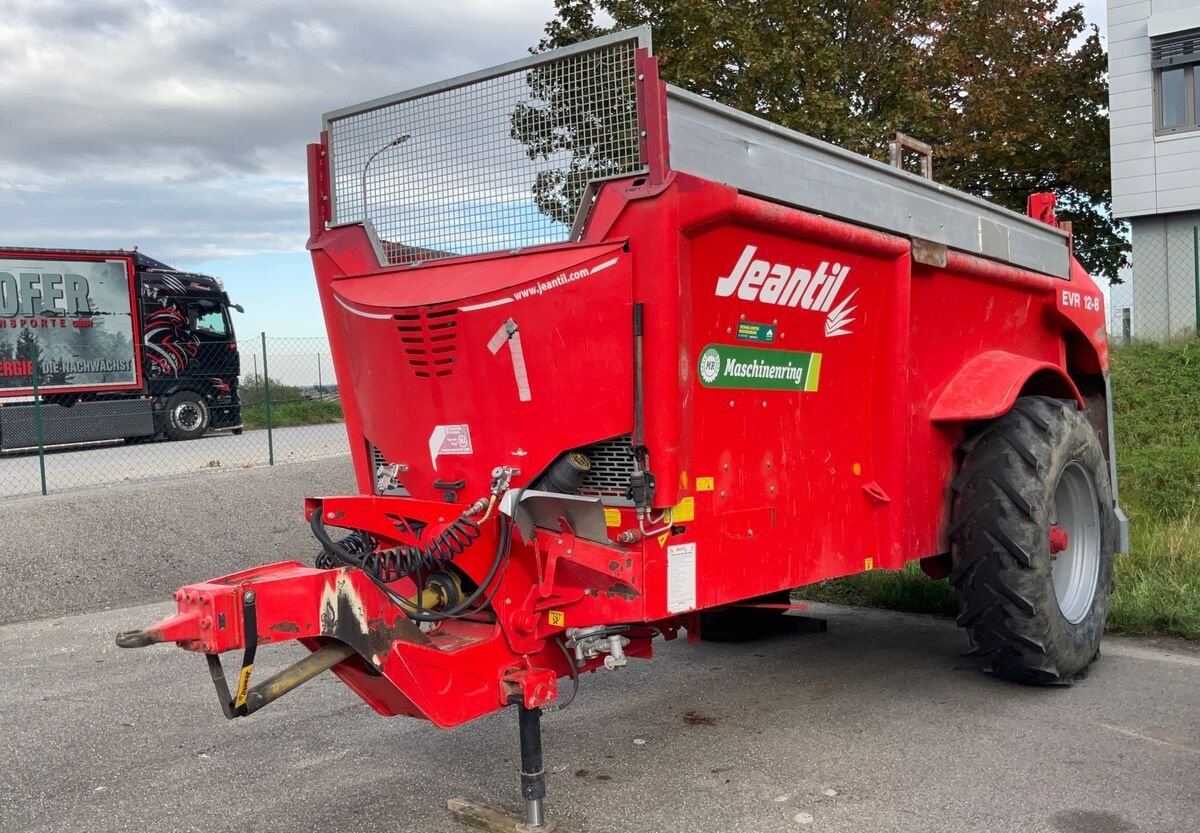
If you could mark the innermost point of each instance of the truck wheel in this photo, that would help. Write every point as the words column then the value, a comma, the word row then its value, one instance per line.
column 1032, row 539
column 187, row 416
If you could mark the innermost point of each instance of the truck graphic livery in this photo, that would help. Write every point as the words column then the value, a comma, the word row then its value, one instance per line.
column 117, row 346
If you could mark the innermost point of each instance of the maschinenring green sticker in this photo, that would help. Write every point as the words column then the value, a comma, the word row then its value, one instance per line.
column 726, row 366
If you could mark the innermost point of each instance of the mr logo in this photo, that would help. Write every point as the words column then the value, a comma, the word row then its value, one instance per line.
column 783, row 285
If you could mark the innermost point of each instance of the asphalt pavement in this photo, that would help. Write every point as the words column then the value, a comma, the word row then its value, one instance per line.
column 880, row 724
column 75, row 467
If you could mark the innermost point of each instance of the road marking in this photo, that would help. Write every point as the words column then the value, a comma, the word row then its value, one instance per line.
column 1134, row 733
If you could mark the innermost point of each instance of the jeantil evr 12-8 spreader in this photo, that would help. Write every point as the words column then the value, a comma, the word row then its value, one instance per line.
column 618, row 361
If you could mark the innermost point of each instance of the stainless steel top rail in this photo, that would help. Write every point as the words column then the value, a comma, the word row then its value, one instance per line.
column 760, row 158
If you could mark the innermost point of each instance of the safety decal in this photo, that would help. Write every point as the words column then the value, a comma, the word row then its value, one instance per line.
column 681, row 578
column 704, row 484
column 725, row 366
column 449, row 439
column 684, row 511
column 868, row 564
column 612, row 517
column 556, row 618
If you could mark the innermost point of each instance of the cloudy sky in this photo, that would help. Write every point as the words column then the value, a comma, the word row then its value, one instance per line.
column 180, row 126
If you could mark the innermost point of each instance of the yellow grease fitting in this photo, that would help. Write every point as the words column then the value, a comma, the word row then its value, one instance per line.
column 704, row 484
column 612, row 517
column 556, row 618
column 685, row 510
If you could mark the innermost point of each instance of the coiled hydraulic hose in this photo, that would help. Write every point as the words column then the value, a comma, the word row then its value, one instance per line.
column 404, row 559
column 339, row 555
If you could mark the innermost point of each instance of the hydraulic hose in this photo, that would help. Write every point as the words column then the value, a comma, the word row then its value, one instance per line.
column 413, row 611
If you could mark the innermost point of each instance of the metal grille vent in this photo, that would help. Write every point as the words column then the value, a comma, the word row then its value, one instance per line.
column 612, row 464
column 496, row 160
column 383, row 473
column 377, row 459
column 430, row 341
column 1180, row 48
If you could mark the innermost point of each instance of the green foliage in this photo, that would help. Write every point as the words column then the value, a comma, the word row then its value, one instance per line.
column 253, row 391
column 289, row 405
column 907, row 589
column 1156, row 407
column 996, row 86
column 293, row 413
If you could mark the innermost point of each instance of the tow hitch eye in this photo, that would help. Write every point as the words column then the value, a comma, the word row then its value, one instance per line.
column 1058, row 540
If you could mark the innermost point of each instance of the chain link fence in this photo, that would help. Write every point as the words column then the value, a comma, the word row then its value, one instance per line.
column 184, row 420
column 1159, row 297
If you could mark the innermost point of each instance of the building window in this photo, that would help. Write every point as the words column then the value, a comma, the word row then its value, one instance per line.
column 1176, row 62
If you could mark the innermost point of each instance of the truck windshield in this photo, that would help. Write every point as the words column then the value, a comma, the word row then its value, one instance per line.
column 208, row 322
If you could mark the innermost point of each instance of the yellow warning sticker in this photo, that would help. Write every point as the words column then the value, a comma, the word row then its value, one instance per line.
column 243, row 688
column 556, row 619
column 612, row 517
column 685, row 510
column 704, row 484
column 662, row 539
column 869, row 564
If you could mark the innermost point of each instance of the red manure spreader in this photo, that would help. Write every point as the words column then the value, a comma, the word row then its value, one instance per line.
column 618, row 361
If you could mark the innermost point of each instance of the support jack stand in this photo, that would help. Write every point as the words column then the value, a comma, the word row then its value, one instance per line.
column 533, row 788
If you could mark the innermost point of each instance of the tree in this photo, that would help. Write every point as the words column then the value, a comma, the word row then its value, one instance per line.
column 1012, row 94
column 26, row 345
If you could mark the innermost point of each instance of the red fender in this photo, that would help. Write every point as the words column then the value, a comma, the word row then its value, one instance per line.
column 987, row 385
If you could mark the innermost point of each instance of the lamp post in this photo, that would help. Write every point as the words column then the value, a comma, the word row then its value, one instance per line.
column 399, row 140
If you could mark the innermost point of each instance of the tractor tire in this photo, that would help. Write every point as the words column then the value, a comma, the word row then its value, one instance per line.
column 187, row 416
column 743, row 624
column 1032, row 540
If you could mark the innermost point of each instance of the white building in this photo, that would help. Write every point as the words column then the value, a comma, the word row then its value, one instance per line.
column 1154, row 104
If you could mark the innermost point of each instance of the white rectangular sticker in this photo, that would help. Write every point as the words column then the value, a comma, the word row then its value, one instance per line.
column 681, row 578
column 449, row 439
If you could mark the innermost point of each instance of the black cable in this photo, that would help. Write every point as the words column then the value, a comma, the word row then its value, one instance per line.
column 562, row 645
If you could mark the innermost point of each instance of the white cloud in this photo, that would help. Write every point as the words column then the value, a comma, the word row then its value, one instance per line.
column 181, row 126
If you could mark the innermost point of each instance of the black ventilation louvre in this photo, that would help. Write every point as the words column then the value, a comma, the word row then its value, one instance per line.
column 1177, row 48
column 612, row 465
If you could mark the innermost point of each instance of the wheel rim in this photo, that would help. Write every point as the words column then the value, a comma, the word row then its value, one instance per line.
column 188, row 416
column 1076, row 566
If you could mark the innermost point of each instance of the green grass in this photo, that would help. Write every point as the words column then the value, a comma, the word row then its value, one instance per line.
column 292, row 414
column 1156, row 404
column 1156, row 399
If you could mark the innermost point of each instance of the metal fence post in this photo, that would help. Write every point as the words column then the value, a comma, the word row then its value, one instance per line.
column 321, row 388
column 1196, row 271
column 267, row 403
column 1126, row 327
column 37, row 413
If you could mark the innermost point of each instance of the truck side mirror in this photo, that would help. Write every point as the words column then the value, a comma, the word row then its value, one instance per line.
column 238, row 307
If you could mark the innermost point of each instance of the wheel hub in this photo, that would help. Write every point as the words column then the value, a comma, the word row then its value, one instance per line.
column 187, row 415
column 1059, row 540
column 1075, row 542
